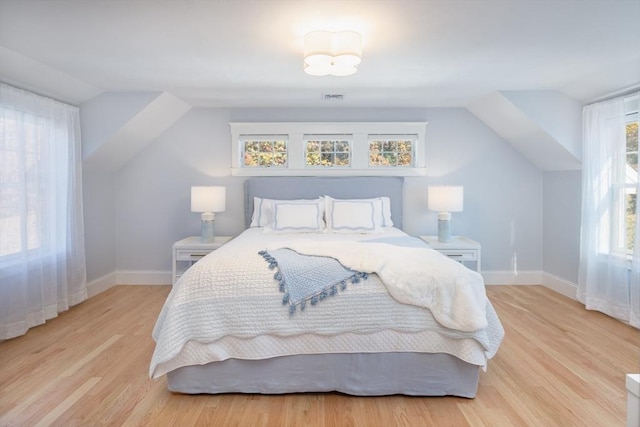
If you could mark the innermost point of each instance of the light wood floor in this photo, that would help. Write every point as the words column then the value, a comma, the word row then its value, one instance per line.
column 559, row 365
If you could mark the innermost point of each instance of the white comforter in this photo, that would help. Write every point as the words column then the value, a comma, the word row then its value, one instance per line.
column 229, row 306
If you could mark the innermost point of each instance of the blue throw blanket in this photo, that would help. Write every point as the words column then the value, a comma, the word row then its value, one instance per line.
column 305, row 278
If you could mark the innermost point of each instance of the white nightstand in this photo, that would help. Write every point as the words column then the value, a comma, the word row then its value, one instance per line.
column 187, row 251
column 460, row 248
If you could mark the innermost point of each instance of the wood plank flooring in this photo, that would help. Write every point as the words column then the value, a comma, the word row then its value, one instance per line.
column 560, row 365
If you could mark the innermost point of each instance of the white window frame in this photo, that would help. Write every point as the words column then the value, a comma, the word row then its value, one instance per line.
column 406, row 137
column 296, row 159
column 242, row 139
column 323, row 138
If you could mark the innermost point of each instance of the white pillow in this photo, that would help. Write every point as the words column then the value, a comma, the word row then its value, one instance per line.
column 297, row 217
column 386, row 212
column 263, row 208
column 353, row 215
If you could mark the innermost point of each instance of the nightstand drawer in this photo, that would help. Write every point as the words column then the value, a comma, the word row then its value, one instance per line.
column 191, row 255
column 460, row 248
column 461, row 255
column 190, row 250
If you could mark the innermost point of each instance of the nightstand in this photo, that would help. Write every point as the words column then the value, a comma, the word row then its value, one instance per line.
column 461, row 249
column 187, row 251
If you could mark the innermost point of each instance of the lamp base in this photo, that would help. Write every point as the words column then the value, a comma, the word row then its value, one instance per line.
column 444, row 227
column 207, row 234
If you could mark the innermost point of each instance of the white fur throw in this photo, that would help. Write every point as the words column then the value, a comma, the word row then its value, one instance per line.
column 412, row 275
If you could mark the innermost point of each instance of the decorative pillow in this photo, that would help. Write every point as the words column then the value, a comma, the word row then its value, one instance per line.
column 263, row 208
column 353, row 215
column 297, row 217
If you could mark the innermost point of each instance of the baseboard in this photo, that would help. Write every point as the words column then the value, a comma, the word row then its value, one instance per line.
column 560, row 285
column 143, row 277
column 101, row 284
column 494, row 277
column 127, row 277
column 497, row 277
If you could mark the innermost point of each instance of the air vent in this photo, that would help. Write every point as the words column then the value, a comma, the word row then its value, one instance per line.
column 333, row 97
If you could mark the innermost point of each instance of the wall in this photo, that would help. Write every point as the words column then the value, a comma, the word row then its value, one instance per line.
column 561, row 217
column 99, row 198
column 503, row 190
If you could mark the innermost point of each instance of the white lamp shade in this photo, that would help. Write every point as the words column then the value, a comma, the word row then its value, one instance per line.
column 446, row 198
column 208, row 199
column 332, row 53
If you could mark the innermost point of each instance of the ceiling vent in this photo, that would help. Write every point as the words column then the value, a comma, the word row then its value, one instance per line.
column 333, row 97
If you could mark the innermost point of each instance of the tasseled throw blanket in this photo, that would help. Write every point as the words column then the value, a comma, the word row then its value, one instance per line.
column 306, row 278
column 413, row 275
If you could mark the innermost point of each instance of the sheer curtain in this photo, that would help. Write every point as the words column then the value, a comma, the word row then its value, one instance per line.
column 609, row 275
column 42, row 261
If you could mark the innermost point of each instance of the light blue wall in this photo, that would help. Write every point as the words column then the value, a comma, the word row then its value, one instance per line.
column 561, row 217
column 99, row 206
column 503, row 190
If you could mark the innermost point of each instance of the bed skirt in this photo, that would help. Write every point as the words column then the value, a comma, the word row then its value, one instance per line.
column 360, row 374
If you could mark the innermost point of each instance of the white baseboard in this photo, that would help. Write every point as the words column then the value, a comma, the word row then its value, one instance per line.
column 101, row 284
column 494, row 277
column 127, row 277
column 560, row 285
column 143, row 277
column 498, row 277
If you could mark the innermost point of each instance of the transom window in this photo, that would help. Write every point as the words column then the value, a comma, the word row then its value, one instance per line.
column 264, row 151
column 391, row 150
column 328, row 150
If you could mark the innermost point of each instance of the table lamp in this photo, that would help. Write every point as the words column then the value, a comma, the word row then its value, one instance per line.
column 208, row 200
column 445, row 199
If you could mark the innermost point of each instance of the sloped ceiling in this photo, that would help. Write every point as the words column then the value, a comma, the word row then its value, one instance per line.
column 545, row 126
column 489, row 56
column 117, row 126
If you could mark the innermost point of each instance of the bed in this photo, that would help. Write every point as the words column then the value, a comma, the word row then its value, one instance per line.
column 228, row 325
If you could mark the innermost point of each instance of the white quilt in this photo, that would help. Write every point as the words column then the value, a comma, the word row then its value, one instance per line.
column 412, row 275
column 228, row 305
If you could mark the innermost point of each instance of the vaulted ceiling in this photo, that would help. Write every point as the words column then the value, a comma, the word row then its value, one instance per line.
column 249, row 53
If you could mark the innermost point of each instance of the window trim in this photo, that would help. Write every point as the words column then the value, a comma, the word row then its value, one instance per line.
column 306, row 138
column 296, row 159
column 396, row 137
column 243, row 138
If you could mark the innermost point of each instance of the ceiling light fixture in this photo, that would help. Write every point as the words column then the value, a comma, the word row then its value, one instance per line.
column 332, row 53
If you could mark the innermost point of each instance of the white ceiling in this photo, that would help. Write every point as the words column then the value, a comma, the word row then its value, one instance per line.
column 249, row 53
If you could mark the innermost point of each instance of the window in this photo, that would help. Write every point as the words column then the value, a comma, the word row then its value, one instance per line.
column 391, row 150
column 21, row 208
column 264, row 151
column 42, row 261
column 630, row 176
column 328, row 150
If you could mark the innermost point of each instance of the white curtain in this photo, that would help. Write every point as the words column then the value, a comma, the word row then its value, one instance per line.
column 42, row 260
column 609, row 275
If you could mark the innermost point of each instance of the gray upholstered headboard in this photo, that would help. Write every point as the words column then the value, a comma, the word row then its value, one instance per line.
column 287, row 188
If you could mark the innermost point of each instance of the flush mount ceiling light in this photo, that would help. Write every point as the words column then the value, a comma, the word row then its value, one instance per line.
column 332, row 53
